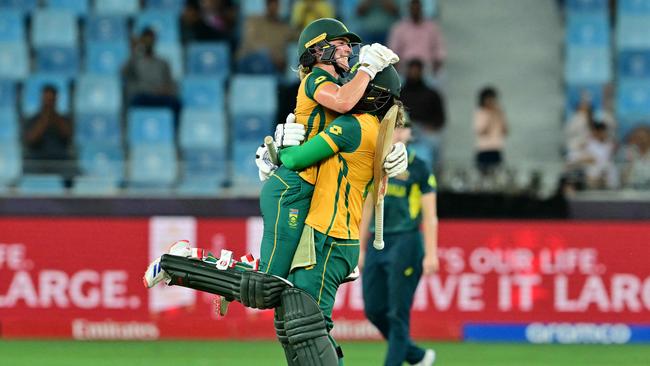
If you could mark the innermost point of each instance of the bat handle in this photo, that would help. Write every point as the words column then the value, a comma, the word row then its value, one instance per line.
column 273, row 152
column 379, row 225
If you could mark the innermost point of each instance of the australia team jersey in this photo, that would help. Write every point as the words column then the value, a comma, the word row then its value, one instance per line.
column 402, row 203
column 311, row 114
column 343, row 179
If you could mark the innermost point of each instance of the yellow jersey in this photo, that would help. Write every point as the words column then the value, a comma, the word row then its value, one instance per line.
column 344, row 178
column 308, row 112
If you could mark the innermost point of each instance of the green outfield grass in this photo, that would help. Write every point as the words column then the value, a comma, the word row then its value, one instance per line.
column 183, row 353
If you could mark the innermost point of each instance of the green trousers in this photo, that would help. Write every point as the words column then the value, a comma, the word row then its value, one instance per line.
column 284, row 203
column 335, row 260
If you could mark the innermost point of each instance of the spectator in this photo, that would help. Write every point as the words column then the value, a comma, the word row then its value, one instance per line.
column 48, row 139
column 418, row 38
column 221, row 16
column 375, row 19
column 264, row 43
column 306, row 11
column 636, row 159
column 427, row 112
column 148, row 78
column 194, row 28
column 578, row 128
column 595, row 158
column 491, row 130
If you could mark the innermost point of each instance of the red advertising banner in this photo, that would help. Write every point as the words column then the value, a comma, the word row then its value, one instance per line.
column 81, row 278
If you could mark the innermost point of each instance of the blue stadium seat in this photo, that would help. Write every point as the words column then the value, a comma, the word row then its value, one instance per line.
column 24, row 6
column 153, row 165
column 31, row 96
column 119, row 7
column 164, row 23
column 54, row 28
column 171, row 5
column 633, row 100
column 41, row 184
column 14, row 61
column 95, row 93
column 204, row 163
column 95, row 186
column 632, row 32
column 12, row 26
column 588, row 65
column 209, row 59
column 78, row 7
column 245, row 170
column 290, row 73
column 202, row 129
column 105, row 58
column 258, row 7
column 97, row 128
column 574, row 94
column 634, row 64
column 246, row 128
column 57, row 60
column 102, row 160
column 11, row 163
column 106, row 29
column 586, row 6
column 259, row 62
column 253, row 95
column 633, row 7
column 588, row 31
column 193, row 186
column 7, row 93
column 150, row 126
column 173, row 54
column 203, row 92
column 9, row 126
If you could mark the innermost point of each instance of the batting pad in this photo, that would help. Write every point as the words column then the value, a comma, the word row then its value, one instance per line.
column 251, row 288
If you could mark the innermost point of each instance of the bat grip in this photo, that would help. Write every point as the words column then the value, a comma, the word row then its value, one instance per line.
column 379, row 225
column 273, row 152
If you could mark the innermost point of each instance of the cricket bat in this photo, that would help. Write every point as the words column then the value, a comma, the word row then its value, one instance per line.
column 273, row 152
column 384, row 143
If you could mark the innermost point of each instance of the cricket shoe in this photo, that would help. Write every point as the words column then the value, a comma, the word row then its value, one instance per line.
column 155, row 274
column 428, row 359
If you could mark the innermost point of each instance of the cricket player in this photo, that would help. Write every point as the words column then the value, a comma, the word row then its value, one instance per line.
column 329, row 247
column 394, row 272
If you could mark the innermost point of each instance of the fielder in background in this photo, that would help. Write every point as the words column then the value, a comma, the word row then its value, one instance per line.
column 390, row 276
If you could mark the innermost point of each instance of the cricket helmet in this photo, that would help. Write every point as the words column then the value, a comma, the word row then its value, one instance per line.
column 381, row 90
column 317, row 34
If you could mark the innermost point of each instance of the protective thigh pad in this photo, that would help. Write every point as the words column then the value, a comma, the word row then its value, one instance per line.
column 260, row 290
column 306, row 330
column 251, row 288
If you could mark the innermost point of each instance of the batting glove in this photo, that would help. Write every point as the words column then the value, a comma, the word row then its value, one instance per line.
column 265, row 166
column 374, row 58
column 289, row 133
column 396, row 161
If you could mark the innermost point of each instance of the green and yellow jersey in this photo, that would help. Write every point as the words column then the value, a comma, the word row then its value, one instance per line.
column 312, row 115
column 343, row 179
column 403, row 200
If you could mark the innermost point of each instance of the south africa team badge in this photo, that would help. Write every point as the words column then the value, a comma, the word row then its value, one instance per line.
column 293, row 217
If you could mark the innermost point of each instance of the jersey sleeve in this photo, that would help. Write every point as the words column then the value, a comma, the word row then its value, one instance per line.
column 426, row 179
column 343, row 134
column 315, row 79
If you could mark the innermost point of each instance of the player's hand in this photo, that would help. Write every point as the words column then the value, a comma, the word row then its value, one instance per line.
column 397, row 160
column 430, row 263
column 289, row 133
column 376, row 57
column 263, row 161
column 386, row 53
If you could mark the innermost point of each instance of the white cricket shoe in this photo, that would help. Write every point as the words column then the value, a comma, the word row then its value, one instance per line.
column 428, row 359
column 155, row 274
